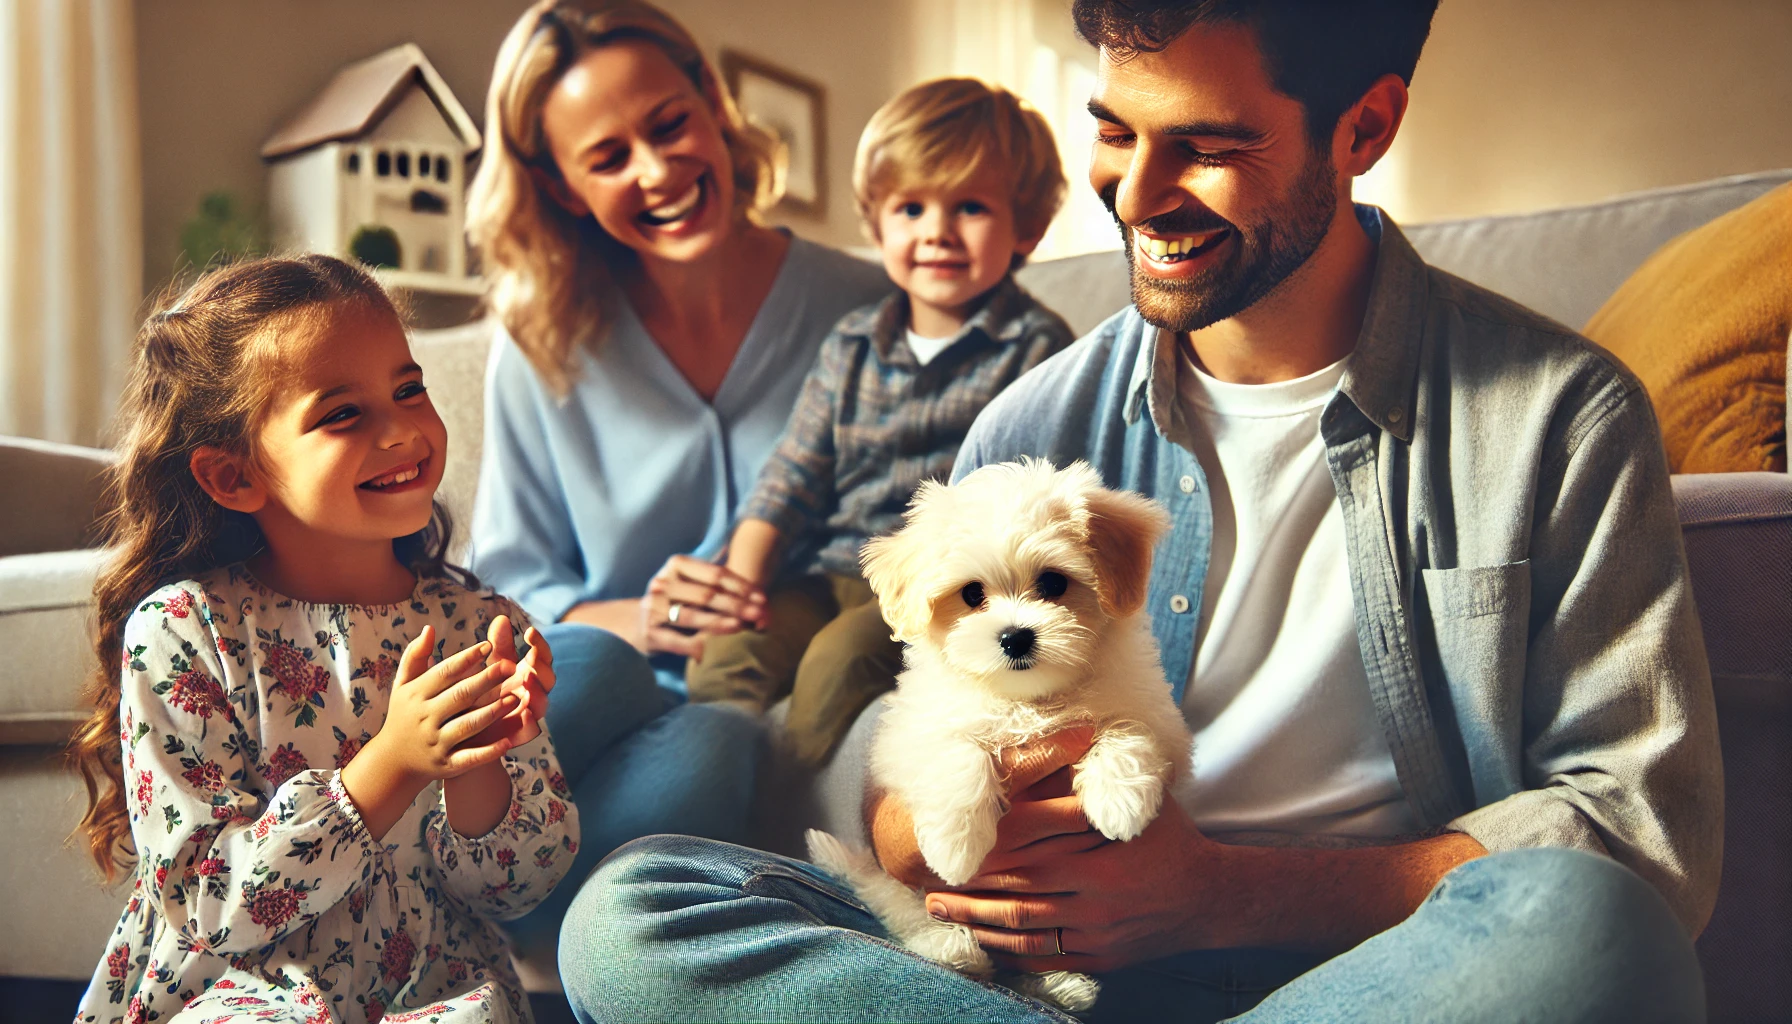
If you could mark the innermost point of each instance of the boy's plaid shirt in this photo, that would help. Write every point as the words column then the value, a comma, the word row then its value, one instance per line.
column 872, row 422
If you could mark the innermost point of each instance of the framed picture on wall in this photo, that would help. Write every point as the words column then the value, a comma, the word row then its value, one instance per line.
column 795, row 109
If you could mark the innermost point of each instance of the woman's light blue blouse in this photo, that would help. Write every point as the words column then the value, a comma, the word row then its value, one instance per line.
column 585, row 499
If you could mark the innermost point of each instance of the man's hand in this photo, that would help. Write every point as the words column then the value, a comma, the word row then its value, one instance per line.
column 1042, row 817
column 1117, row 903
column 1173, row 889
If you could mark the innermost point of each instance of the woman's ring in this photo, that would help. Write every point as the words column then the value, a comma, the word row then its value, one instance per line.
column 673, row 613
column 1058, row 936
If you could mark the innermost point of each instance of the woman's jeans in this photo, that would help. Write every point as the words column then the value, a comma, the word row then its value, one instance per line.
column 639, row 761
column 673, row 928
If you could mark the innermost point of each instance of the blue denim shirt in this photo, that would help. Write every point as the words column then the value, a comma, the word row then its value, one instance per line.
column 1522, row 599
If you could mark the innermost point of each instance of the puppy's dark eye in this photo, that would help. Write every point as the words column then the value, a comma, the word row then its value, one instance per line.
column 1051, row 585
column 972, row 594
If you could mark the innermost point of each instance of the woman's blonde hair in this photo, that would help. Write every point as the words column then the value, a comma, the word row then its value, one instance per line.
column 206, row 368
column 941, row 133
column 550, row 274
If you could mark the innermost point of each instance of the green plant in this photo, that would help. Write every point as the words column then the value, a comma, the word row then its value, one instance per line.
column 376, row 245
column 220, row 232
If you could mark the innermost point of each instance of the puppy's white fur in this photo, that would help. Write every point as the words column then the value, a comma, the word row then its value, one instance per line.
column 964, row 698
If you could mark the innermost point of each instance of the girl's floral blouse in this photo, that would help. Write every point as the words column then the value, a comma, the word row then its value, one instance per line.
column 259, row 892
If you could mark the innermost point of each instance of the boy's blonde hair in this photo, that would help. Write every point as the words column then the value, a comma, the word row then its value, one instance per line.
column 551, row 275
column 941, row 133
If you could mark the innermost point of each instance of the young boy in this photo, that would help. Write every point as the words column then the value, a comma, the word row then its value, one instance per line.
column 956, row 181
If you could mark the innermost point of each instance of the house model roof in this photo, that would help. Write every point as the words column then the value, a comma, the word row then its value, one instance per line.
column 363, row 93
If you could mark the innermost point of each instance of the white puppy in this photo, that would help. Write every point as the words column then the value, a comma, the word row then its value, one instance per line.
column 1020, row 594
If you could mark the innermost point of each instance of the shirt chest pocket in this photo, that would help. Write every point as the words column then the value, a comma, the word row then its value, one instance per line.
column 1480, row 623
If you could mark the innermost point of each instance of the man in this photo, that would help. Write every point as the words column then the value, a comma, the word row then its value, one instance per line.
column 1423, row 603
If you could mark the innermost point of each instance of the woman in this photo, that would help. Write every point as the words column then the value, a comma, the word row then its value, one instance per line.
column 656, row 337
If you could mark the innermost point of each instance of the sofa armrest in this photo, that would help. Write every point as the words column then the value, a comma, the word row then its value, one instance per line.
column 51, row 495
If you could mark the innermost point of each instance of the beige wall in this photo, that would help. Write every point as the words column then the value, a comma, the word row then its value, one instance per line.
column 1521, row 104
column 1518, row 104
column 216, row 77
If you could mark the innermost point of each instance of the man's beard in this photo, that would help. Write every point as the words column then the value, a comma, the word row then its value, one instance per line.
column 1266, row 253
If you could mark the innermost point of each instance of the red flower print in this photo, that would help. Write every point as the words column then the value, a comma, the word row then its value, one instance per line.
column 118, row 960
column 271, row 907
column 196, row 692
column 146, row 793
column 382, row 670
column 179, row 606
column 556, row 812
column 544, row 856
column 133, row 1014
column 285, row 762
column 162, row 874
column 375, row 1010
column 212, row 866
column 431, row 951
column 507, row 857
column 263, row 825
column 457, row 970
column 205, row 775
column 557, row 783
column 395, row 959
column 294, row 674
column 224, row 983
column 347, row 749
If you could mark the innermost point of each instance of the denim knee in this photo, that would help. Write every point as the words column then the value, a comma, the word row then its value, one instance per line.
column 1604, row 943
column 605, row 690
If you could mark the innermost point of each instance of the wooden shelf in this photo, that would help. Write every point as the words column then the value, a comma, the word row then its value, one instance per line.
column 425, row 281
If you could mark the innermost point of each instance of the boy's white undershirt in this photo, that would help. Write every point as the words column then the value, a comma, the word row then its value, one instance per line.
column 1286, row 735
column 925, row 349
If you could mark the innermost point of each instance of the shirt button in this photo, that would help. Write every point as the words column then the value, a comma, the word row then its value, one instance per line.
column 1187, row 484
column 1178, row 604
column 1395, row 413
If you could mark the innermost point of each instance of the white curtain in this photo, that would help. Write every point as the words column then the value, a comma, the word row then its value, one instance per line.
column 70, row 214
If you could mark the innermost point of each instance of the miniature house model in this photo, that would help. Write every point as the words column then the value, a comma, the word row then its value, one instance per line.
column 375, row 166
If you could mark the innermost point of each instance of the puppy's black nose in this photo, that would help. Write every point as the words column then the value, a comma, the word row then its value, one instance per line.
column 1016, row 643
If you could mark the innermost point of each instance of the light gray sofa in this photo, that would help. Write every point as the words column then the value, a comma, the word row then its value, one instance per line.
column 1738, row 531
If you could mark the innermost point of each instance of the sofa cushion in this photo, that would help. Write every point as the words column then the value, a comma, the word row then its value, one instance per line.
column 48, row 494
column 453, row 362
column 1738, row 530
column 1704, row 324
column 46, row 626
column 1565, row 263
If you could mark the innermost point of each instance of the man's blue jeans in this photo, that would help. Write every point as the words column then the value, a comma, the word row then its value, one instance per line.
column 672, row 928
column 639, row 760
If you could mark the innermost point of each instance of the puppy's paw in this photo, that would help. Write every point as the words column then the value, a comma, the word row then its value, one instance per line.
column 1066, row 989
column 954, row 856
column 952, row 945
column 1119, row 806
column 954, row 848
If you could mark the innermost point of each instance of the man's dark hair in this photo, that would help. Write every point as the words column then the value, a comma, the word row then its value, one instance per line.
column 1323, row 53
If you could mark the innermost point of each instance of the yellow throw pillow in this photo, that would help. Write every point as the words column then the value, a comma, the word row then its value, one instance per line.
column 1704, row 323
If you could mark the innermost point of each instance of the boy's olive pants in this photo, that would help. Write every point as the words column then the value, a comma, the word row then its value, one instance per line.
column 826, row 646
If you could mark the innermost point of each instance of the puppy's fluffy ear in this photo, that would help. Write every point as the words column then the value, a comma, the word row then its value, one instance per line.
column 1123, row 529
column 899, row 568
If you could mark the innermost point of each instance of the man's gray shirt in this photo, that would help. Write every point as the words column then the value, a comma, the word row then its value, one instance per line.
column 1522, row 599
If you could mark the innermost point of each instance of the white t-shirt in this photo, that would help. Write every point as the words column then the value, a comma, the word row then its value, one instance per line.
column 925, row 349
column 1286, row 735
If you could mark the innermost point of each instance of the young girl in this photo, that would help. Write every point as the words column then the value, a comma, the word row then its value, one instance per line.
column 332, row 774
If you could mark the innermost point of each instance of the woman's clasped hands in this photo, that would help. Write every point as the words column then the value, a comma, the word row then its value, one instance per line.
column 689, row 598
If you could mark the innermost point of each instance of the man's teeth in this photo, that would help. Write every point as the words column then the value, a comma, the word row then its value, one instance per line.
column 1164, row 248
column 400, row 476
column 679, row 207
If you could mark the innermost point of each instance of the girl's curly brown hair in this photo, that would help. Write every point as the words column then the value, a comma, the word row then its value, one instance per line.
column 205, row 369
